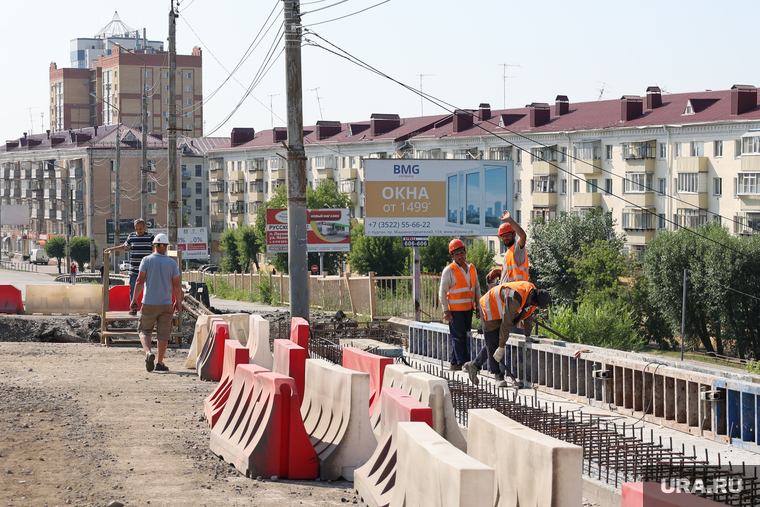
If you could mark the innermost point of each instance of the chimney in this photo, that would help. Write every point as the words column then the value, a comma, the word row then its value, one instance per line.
column 484, row 110
column 631, row 107
column 743, row 99
column 48, row 134
column 24, row 135
column 462, row 120
column 280, row 134
column 327, row 129
column 96, row 130
column 382, row 123
column 654, row 97
column 561, row 105
column 540, row 114
column 241, row 136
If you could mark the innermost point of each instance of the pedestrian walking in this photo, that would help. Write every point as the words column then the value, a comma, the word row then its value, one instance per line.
column 73, row 272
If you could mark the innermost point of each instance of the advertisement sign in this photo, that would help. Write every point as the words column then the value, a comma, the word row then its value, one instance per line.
column 191, row 241
column 406, row 197
column 414, row 241
column 327, row 230
column 14, row 214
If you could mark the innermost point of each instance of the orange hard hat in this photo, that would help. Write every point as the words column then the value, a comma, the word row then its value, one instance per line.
column 455, row 244
column 504, row 228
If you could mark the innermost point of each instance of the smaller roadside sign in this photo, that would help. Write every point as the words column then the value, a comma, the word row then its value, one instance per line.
column 414, row 240
column 314, row 268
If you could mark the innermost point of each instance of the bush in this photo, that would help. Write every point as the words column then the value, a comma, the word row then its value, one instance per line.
column 602, row 325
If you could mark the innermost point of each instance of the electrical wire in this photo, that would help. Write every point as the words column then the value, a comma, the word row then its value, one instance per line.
column 325, row 7
column 348, row 15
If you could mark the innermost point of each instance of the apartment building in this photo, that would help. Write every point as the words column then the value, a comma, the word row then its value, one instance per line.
column 656, row 161
column 194, row 176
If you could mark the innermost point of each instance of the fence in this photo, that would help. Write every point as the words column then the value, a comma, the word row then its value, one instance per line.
column 377, row 297
column 19, row 266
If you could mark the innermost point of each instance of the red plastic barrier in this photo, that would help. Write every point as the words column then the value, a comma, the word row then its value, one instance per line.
column 651, row 494
column 260, row 430
column 118, row 299
column 299, row 333
column 211, row 359
column 359, row 360
column 234, row 354
column 290, row 360
column 10, row 299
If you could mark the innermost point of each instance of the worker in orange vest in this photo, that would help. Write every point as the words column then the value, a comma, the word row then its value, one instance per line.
column 503, row 307
column 459, row 293
column 515, row 266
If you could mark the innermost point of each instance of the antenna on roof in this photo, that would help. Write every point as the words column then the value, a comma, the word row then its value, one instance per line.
column 601, row 90
column 504, row 78
column 271, row 111
column 421, row 97
column 319, row 103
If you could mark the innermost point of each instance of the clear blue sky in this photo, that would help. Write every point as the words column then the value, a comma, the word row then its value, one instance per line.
column 567, row 48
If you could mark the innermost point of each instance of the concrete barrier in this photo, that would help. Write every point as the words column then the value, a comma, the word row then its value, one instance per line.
column 260, row 431
column 736, row 412
column 531, row 468
column 202, row 327
column 375, row 480
column 651, row 494
column 211, row 359
column 49, row 299
column 393, row 377
column 299, row 333
column 10, row 299
column 234, row 354
column 258, row 341
column 238, row 325
column 290, row 360
column 118, row 299
column 433, row 473
column 336, row 417
column 359, row 360
column 434, row 392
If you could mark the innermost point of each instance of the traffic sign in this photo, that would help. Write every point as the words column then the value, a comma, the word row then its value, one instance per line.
column 414, row 240
column 314, row 268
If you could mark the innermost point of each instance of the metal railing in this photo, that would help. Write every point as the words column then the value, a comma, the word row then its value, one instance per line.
column 19, row 266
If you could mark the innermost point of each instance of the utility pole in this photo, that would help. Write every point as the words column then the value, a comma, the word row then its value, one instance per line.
column 117, row 204
column 173, row 204
column 422, row 99
column 504, row 78
column 91, row 210
column 296, row 173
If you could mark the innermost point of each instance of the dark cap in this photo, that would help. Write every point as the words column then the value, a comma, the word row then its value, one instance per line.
column 543, row 297
column 461, row 249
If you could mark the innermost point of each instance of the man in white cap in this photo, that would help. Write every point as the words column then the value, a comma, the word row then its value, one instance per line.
column 159, row 274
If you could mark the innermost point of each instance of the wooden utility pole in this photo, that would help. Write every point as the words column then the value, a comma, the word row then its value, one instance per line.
column 296, row 174
column 173, row 204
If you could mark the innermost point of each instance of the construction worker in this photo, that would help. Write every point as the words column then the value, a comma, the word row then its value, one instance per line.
column 514, row 268
column 503, row 307
column 459, row 293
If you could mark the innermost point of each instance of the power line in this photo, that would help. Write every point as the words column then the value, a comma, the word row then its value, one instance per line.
column 348, row 15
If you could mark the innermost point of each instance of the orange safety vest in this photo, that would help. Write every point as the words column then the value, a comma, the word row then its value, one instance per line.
column 492, row 306
column 514, row 272
column 461, row 297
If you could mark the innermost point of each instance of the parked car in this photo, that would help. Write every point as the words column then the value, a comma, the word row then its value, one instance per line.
column 124, row 266
column 39, row 256
column 209, row 268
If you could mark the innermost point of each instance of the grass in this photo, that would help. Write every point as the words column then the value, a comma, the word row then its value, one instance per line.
column 676, row 354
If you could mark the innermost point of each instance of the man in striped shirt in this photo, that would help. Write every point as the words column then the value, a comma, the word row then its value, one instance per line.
column 139, row 244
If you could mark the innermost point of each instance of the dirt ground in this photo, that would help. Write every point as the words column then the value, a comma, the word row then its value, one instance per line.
column 83, row 424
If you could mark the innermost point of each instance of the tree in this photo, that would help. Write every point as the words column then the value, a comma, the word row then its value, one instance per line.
column 248, row 247
column 383, row 255
column 56, row 247
column 482, row 256
column 435, row 256
column 80, row 250
column 228, row 243
column 555, row 242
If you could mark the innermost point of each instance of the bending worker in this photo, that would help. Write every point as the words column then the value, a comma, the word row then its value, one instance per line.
column 458, row 294
column 505, row 306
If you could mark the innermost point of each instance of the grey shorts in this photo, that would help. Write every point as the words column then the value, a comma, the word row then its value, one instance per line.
column 158, row 315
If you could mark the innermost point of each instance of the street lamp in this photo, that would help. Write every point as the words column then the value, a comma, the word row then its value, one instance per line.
column 117, row 191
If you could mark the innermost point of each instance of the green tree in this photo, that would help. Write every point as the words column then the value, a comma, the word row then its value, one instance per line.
column 80, row 250
column 56, row 247
column 435, row 256
column 482, row 256
column 228, row 244
column 248, row 246
column 603, row 324
column 555, row 242
column 383, row 255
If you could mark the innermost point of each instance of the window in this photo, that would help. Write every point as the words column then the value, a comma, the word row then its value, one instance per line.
column 608, row 186
column 198, row 171
column 591, row 186
column 717, row 186
column 188, row 88
column 661, row 186
column 198, row 188
column 576, row 185
column 697, row 149
column 519, row 156
column 199, row 205
column 166, row 89
column 563, row 154
column 518, row 217
column 152, row 208
column 638, row 183
column 663, row 152
column 166, row 114
column 165, row 75
column 152, row 165
column 717, row 149
column 747, row 184
column 152, row 187
column 688, row 183
column 737, row 148
column 638, row 219
column 661, row 222
column 588, row 151
column 546, row 184
column 500, row 153
column 545, row 153
column 188, row 114
column 166, row 101
column 690, row 217
column 188, row 102
column 676, row 150
column 563, row 186
column 639, row 150
column 608, row 154
column 188, row 75
column 199, row 220
column 750, row 145
column 518, row 186
column 147, row 73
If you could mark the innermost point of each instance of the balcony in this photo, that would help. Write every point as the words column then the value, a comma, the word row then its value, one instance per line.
column 641, row 199
column 187, row 192
column 697, row 200
column 691, row 164
column 236, row 175
column 186, row 175
column 216, row 215
column 255, row 174
column 35, row 213
column 49, row 214
column 639, row 164
column 216, row 173
column 640, row 236
column 354, row 196
column 14, row 192
column 78, row 195
column 255, row 196
column 544, row 167
column 36, row 174
column 750, row 162
column 544, row 199
column 589, row 167
column 25, row 174
column 589, row 200
column 348, row 173
column 60, row 214
column 277, row 174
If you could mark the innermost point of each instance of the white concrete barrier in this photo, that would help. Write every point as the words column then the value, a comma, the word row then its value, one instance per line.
column 202, row 326
column 394, row 377
column 258, row 342
column 433, row 473
column 532, row 469
column 238, row 323
column 49, row 299
column 434, row 392
column 336, row 417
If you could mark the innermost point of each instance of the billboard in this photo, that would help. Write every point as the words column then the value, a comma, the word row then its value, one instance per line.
column 327, row 230
column 406, row 197
column 126, row 226
column 14, row 214
column 191, row 241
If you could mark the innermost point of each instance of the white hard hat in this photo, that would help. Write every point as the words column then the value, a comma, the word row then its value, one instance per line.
column 161, row 238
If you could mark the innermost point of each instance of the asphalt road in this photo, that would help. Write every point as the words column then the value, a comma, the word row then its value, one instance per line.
column 20, row 279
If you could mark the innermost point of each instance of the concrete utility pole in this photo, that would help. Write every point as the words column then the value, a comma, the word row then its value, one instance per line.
column 296, row 174
column 173, row 204
column 91, row 211
column 117, row 204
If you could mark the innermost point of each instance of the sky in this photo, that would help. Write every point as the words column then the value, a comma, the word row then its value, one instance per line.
column 585, row 49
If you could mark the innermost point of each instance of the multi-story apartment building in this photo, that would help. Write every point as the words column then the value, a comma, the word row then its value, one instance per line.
column 657, row 162
column 112, row 87
column 195, row 177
